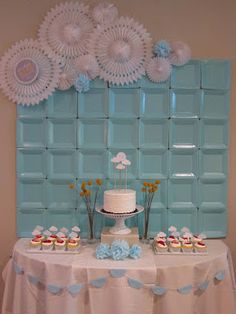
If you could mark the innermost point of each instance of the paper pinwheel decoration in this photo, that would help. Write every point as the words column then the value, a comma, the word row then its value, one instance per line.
column 121, row 50
column 65, row 31
column 27, row 75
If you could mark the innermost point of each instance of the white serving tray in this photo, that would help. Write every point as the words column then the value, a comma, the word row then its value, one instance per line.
column 54, row 252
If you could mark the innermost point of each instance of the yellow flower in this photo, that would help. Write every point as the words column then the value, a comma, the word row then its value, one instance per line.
column 144, row 190
column 90, row 182
column 98, row 181
column 71, row 186
column 157, row 181
column 83, row 185
column 87, row 193
column 81, row 194
column 145, row 183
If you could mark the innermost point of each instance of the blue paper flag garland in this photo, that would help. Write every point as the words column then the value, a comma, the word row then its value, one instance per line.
column 134, row 283
column 185, row 290
column 159, row 290
column 220, row 276
column 54, row 289
column 98, row 283
column 33, row 279
column 75, row 289
column 117, row 273
column 204, row 285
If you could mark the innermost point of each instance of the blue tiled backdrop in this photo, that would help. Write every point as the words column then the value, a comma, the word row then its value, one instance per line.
column 176, row 131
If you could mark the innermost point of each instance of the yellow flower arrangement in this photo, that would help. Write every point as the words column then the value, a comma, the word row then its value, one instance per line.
column 148, row 189
column 89, row 193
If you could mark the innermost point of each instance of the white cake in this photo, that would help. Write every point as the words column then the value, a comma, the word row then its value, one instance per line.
column 119, row 201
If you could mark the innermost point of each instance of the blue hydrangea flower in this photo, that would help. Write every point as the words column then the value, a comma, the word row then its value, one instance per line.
column 135, row 251
column 82, row 83
column 119, row 249
column 162, row 49
column 103, row 251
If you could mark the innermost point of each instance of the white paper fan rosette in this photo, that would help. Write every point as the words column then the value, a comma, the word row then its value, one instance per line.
column 121, row 50
column 65, row 31
column 67, row 77
column 158, row 69
column 87, row 65
column 27, row 75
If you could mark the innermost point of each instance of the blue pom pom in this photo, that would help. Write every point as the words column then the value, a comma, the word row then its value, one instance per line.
column 103, row 251
column 119, row 249
column 162, row 49
column 135, row 251
column 82, row 83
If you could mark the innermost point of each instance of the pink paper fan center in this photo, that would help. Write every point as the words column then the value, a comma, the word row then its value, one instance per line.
column 120, row 51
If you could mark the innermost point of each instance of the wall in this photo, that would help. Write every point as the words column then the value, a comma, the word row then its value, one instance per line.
column 207, row 26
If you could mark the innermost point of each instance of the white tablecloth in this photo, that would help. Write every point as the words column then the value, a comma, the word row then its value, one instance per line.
column 116, row 296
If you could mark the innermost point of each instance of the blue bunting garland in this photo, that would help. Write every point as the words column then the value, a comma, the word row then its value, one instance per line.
column 157, row 290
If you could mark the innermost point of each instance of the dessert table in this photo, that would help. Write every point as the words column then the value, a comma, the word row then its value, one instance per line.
column 81, row 284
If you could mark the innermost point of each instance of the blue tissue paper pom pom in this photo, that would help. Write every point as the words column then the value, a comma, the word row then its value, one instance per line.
column 162, row 49
column 119, row 249
column 135, row 251
column 103, row 251
column 82, row 83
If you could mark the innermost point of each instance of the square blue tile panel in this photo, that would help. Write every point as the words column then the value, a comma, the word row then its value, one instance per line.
column 30, row 132
column 152, row 164
column 132, row 170
column 27, row 219
column 182, row 193
column 123, row 133
column 183, row 133
column 124, row 102
column 157, row 221
column 213, row 163
column 62, row 164
column 31, row 163
column 93, row 103
column 92, row 133
column 183, row 163
column 31, row 193
column 154, row 103
column 185, row 103
column 153, row 133
column 38, row 111
column 186, row 217
column 61, row 133
column 216, row 74
column 213, row 222
column 212, row 193
column 60, row 196
column 186, row 76
column 63, row 104
column 60, row 218
column 160, row 197
column 215, row 104
column 214, row 133
column 93, row 163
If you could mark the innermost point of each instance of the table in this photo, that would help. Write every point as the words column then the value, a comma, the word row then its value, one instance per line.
column 127, row 287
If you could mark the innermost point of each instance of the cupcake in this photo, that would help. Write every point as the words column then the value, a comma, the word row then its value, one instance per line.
column 187, row 247
column 161, row 236
column 60, row 245
column 198, row 237
column 52, row 237
column 75, row 236
column 161, row 246
column 35, row 244
column 40, row 237
column 200, row 247
column 47, row 245
column 61, row 235
column 186, row 237
column 175, row 246
column 72, row 245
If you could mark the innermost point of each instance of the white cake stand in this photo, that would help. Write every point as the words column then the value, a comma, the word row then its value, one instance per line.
column 120, row 227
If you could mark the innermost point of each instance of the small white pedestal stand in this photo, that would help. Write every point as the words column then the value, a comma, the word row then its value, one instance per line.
column 120, row 230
